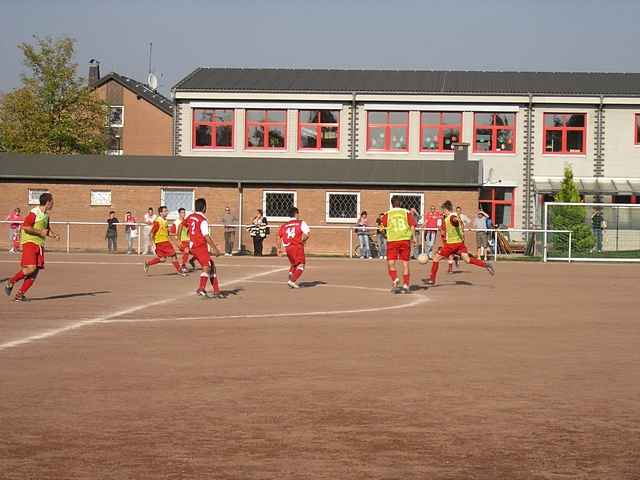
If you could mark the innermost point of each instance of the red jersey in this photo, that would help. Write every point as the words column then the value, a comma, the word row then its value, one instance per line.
column 291, row 233
column 198, row 228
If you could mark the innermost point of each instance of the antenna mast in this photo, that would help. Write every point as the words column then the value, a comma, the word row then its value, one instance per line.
column 150, row 52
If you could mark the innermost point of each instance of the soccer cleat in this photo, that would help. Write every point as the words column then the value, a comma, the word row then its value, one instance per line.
column 292, row 284
column 8, row 288
column 20, row 297
column 395, row 286
column 430, row 281
column 181, row 273
column 406, row 289
column 202, row 293
column 146, row 267
column 490, row 269
column 184, row 269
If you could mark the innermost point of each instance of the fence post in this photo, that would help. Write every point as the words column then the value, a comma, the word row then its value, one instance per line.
column 350, row 242
column 570, row 233
column 495, row 245
column 68, row 233
column 544, row 242
column 422, row 239
column 139, row 240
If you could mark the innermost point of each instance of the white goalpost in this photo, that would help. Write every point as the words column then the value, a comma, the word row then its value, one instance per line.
column 602, row 232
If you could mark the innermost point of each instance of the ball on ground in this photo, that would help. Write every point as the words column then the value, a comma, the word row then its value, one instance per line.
column 423, row 258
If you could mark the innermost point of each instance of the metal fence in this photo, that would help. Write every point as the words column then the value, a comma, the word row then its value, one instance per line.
column 338, row 240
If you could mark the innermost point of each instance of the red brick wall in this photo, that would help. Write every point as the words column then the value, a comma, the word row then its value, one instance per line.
column 72, row 203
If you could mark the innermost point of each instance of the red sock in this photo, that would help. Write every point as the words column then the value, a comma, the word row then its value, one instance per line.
column 26, row 285
column 203, row 281
column 176, row 265
column 477, row 262
column 405, row 279
column 297, row 273
column 214, row 283
column 450, row 266
column 434, row 270
column 17, row 277
column 154, row 261
column 393, row 274
column 185, row 257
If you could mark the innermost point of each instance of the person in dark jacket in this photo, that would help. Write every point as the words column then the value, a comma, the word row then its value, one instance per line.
column 258, row 232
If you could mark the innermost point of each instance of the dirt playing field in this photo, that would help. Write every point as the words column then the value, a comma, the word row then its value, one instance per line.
column 108, row 373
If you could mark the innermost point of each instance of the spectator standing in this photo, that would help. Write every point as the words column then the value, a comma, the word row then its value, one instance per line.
column 598, row 224
column 482, row 235
column 229, row 223
column 432, row 222
column 258, row 232
column 416, row 241
column 465, row 220
column 381, row 234
column 149, row 219
column 363, row 235
column 112, row 232
column 13, row 230
column 130, row 231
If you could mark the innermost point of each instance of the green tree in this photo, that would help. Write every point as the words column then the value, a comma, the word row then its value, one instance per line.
column 54, row 111
column 571, row 217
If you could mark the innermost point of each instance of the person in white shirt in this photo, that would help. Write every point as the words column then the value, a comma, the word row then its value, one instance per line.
column 149, row 218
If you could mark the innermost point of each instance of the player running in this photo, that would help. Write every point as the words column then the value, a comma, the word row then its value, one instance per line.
column 401, row 227
column 183, row 240
column 453, row 243
column 34, row 232
column 159, row 235
column 199, row 240
column 293, row 235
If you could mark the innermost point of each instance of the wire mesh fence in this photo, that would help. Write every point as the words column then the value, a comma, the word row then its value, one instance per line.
column 600, row 231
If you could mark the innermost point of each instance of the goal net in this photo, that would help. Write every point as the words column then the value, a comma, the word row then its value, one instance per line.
column 600, row 231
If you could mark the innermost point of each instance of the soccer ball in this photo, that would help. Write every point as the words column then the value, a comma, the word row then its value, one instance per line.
column 423, row 258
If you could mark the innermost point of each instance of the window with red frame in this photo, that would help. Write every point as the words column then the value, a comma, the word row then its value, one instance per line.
column 497, row 202
column 318, row 129
column 266, row 129
column 439, row 130
column 212, row 128
column 494, row 132
column 388, row 131
column 564, row 133
column 637, row 129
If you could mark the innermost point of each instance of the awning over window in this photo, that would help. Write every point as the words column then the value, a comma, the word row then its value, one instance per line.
column 614, row 186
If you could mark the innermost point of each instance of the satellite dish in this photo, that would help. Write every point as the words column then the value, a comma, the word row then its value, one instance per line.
column 152, row 81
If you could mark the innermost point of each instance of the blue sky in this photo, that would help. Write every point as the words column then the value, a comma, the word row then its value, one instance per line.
column 560, row 35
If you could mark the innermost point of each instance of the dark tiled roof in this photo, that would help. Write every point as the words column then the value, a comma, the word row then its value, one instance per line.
column 410, row 81
column 158, row 100
column 302, row 171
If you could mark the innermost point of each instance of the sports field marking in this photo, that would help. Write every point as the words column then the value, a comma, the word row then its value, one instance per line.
column 418, row 299
column 135, row 264
column 120, row 313
column 325, row 285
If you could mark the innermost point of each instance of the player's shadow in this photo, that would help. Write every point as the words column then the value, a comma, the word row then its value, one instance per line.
column 314, row 283
column 417, row 288
column 69, row 295
column 228, row 293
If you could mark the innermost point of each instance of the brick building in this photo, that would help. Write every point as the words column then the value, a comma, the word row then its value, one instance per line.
column 140, row 119
column 87, row 187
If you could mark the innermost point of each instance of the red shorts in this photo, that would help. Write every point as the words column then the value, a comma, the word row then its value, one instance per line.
column 399, row 250
column 449, row 249
column 184, row 246
column 164, row 249
column 295, row 253
column 32, row 254
column 201, row 254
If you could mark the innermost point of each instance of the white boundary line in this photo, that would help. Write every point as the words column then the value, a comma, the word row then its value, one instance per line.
column 137, row 264
column 419, row 299
column 120, row 313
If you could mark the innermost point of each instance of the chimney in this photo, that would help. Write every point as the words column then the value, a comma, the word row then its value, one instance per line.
column 94, row 71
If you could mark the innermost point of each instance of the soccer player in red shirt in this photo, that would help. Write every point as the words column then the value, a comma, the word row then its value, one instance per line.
column 453, row 243
column 293, row 235
column 199, row 242
column 35, row 230
column 160, row 237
